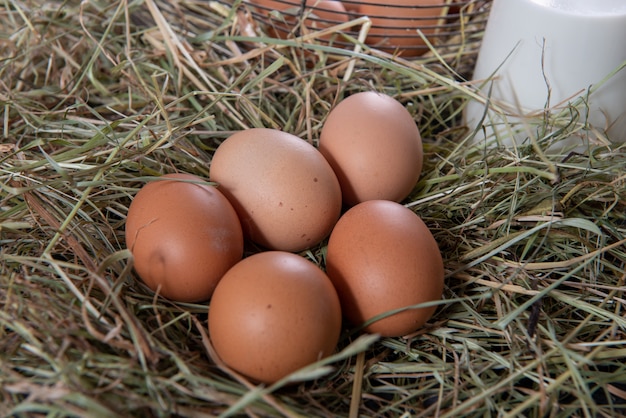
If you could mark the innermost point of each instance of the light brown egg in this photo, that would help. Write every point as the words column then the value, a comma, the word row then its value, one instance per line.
column 381, row 257
column 183, row 236
column 374, row 146
column 322, row 14
column 351, row 6
column 319, row 14
column 395, row 24
column 267, row 6
column 284, row 191
column 272, row 314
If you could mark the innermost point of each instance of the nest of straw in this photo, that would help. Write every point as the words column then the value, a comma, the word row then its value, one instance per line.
column 96, row 98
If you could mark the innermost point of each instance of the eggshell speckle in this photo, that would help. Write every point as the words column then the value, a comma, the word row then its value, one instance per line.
column 183, row 236
column 285, row 192
column 272, row 314
column 381, row 256
column 374, row 146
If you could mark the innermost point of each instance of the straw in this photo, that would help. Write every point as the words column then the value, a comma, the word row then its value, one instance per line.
column 98, row 98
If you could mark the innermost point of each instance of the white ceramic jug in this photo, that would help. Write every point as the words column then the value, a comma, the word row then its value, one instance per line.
column 552, row 55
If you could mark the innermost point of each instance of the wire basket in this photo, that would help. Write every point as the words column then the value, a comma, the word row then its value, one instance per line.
column 452, row 27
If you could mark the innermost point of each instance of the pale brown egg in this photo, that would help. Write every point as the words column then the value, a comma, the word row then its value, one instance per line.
column 395, row 24
column 184, row 235
column 374, row 147
column 272, row 314
column 381, row 257
column 267, row 6
column 351, row 6
column 284, row 191
column 322, row 14
column 318, row 15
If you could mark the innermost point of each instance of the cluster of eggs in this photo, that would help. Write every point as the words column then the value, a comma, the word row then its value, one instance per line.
column 275, row 311
column 394, row 25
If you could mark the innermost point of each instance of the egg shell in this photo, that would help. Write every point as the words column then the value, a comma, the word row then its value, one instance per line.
column 394, row 25
column 272, row 314
column 381, row 257
column 351, row 6
column 284, row 191
column 267, row 6
column 374, row 146
column 322, row 14
column 183, row 236
column 319, row 14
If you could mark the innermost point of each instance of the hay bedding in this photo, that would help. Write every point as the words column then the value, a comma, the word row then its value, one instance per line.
column 98, row 97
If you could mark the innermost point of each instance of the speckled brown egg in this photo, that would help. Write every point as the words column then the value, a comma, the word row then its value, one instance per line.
column 381, row 257
column 184, row 235
column 374, row 146
column 272, row 314
column 285, row 192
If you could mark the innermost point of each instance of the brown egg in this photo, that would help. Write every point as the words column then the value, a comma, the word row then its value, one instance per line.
column 322, row 14
column 183, row 236
column 381, row 257
column 374, row 146
column 267, row 6
column 319, row 14
column 395, row 24
column 272, row 314
column 285, row 192
column 352, row 6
